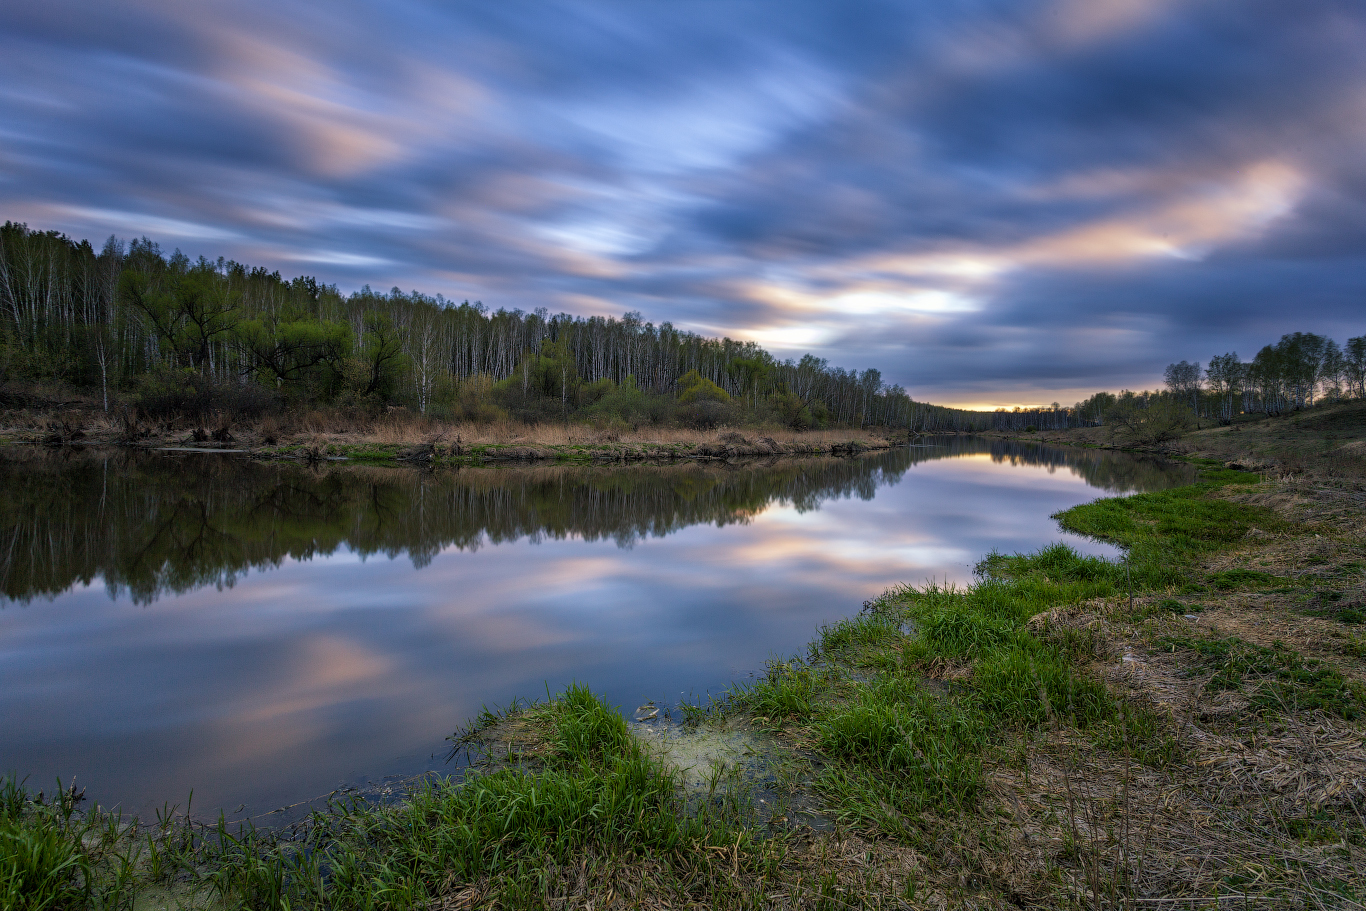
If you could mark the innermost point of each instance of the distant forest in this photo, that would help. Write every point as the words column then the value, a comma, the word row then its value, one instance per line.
column 130, row 326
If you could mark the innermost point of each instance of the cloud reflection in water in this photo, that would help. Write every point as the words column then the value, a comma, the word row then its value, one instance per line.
column 282, row 647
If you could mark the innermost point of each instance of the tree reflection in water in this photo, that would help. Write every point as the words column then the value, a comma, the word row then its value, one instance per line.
column 155, row 523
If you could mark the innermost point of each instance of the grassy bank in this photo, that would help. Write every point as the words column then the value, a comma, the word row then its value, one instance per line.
column 1181, row 728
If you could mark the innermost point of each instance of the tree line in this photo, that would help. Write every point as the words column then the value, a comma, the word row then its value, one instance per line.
column 131, row 325
column 1299, row 371
column 1296, row 372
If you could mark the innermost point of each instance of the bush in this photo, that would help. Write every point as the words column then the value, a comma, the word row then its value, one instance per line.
column 172, row 393
column 630, row 404
column 1158, row 420
column 466, row 400
column 695, row 388
column 705, row 414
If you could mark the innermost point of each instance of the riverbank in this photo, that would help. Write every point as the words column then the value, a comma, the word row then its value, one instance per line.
column 723, row 445
column 412, row 439
column 1327, row 441
column 1042, row 738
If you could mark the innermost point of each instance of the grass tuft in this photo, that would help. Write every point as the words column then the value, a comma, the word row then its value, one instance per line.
column 927, row 749
column 1277, row 679
column 1232, row 579
column 787, row 691
column 40, row 866
column 863, row 631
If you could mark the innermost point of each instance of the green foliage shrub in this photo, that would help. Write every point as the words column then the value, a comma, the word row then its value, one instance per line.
column 1159, row 419
column 633, row 406
column 465, row 400
column 694, row 387
column 174, row 392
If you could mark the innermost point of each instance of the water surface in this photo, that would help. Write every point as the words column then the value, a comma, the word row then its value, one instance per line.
column 264, row 633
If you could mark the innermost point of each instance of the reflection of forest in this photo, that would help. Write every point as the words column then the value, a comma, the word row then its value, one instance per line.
column 154, row 523
column 1115, row 472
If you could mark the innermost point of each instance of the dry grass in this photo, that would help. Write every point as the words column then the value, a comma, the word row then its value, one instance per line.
column 816, row 871
column 320, row 427
column 414, row 430
column 1251, row 805
column 1266, row 809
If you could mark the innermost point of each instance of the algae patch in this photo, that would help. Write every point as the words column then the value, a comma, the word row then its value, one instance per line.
column 730, row 761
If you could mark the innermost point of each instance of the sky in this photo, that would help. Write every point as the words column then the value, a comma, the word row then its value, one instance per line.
column 994, row 203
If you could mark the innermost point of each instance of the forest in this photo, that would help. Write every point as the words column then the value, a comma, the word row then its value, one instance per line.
column 131, row 327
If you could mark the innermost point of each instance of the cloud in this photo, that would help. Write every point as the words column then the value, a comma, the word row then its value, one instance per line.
column 988, row 201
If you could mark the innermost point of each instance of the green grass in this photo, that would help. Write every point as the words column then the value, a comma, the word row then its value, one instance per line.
column 889, row 750
column 897, row 751
column 1276, row 679
column 596, row 795
column 40, row 867
column 1232, row 579
column 931, row 745
column 1329, row 605
column 1018, row 679
column 364, row 452
column 787, row 691
column 595, row 798
column 1028, row 685
column 863, row 631
column 1143, row 733
column 1166, row 532
column 53, row 858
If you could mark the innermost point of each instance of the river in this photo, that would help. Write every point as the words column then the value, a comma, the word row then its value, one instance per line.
column 262, row 633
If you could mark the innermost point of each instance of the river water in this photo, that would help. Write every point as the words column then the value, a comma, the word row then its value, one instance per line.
column 265, row 633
